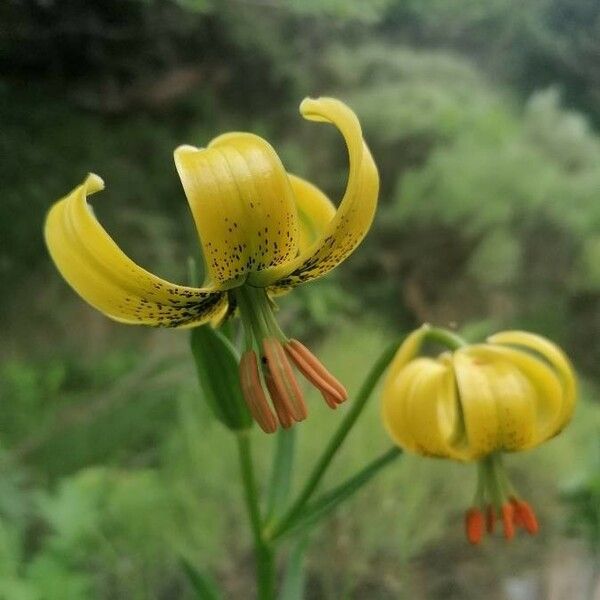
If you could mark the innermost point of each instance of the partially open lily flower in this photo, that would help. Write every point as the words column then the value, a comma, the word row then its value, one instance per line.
column 262, row 230
column 472, row 404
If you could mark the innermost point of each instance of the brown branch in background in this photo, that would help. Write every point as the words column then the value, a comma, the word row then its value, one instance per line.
column 157, row 92
column 414, row 298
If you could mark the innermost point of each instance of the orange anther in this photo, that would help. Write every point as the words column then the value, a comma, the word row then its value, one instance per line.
column 297, row 397
column 309, row 365
column 281, row 406
column 474, row 525
column 526, row 516
column 507, row 521
column 254, row 394
column 286, row 391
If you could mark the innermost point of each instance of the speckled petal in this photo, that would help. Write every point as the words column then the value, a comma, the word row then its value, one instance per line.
column 548, row 392
column 106, row 278
column 513, row 394
column 243, row 206
column 355, row 213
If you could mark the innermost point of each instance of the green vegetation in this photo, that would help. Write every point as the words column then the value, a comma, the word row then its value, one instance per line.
column 483, row 120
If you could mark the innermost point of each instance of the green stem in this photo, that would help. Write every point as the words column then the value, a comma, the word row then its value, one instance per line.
column 446, row 338
column 265, row 559
column 321, row 507
column 335, row 442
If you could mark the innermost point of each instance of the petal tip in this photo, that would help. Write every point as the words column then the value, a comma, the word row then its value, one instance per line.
column 322, row 108
column 306, row 104
column 93, row 183
column 184, row 150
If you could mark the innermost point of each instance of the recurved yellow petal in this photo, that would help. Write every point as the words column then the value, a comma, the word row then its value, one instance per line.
column 514, row 394
column 432, row 412
column 396, row 391
column 315, row 211
column 557, row 360
column 243, row 206
column 407, row 350
column 355, row 213
column 549, row 396
column 478, row 403
column 106, row 278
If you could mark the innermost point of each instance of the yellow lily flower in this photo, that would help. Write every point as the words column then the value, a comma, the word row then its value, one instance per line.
column 512, row 393
column 262, row 232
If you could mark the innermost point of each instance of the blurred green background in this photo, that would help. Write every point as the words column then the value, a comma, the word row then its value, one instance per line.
column 484, row 120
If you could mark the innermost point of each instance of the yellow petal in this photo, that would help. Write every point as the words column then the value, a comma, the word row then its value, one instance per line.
column 396, row 392
column 548, row 389
column 104, row 276
column 557, row 360
column 315, row 211
column 243, row 206
column 478, row 404
column 514, row 395
column 432, row 413
column 355, row 213
column 407, row 350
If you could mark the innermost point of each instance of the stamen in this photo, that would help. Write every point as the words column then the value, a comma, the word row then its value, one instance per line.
column 507, row 520
column 474, row 525
column 526, row 516
column 254, row 394
column 290, row 377
column 517, row 520
column 281, row 407
column 332, row 401
column 490, row 519
column 309, row 365
column 495, row 490
column 288, row 392
column 319, row 368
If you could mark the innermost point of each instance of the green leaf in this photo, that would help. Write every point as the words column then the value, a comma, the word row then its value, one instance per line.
column 204, row 586
column 324, row 505
column 217, row 366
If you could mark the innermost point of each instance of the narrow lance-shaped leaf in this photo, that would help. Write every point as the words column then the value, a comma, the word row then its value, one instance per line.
column 203, row 585
column 324, row 505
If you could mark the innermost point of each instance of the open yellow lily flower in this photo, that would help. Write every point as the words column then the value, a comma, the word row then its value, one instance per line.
column 512, row 393
column 262, row 232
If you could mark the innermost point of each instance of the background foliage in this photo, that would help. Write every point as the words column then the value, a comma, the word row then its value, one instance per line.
column 483, row 118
